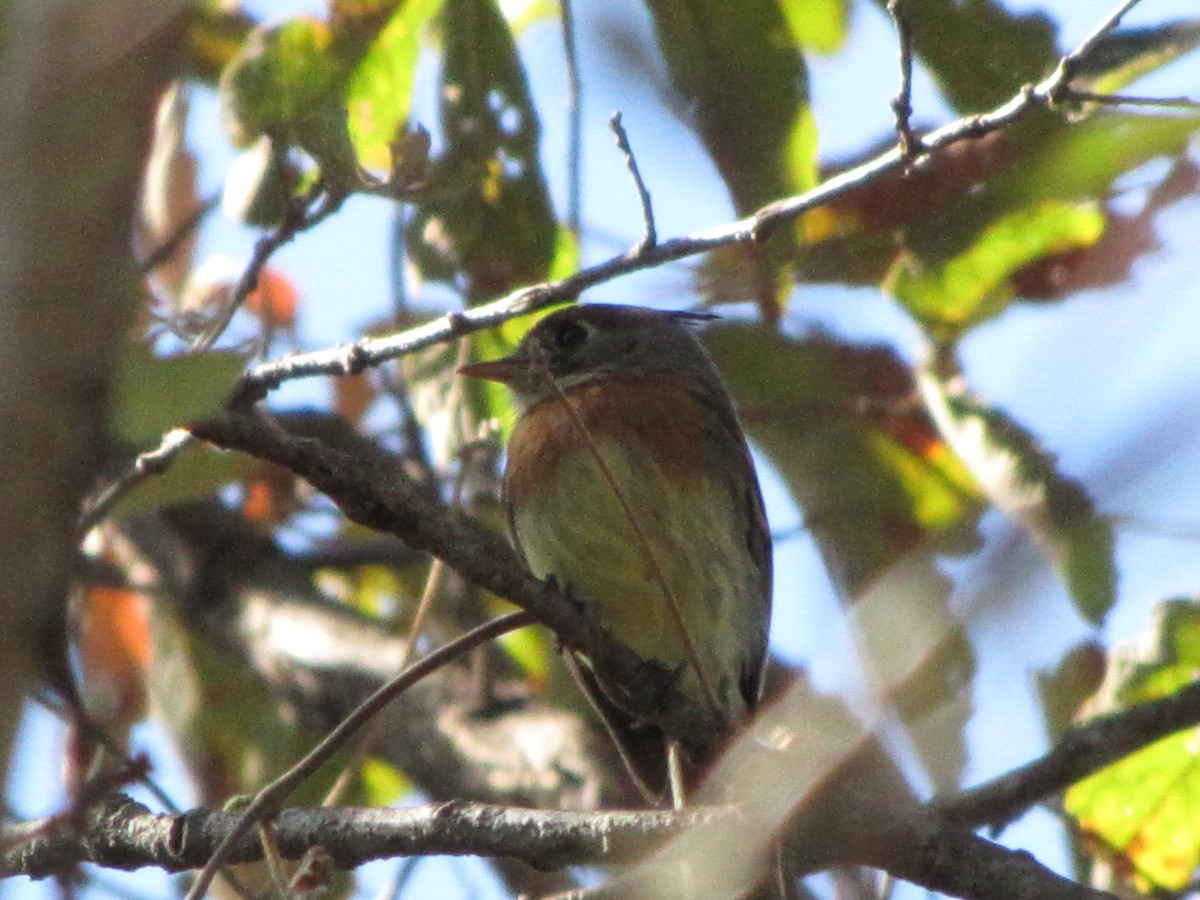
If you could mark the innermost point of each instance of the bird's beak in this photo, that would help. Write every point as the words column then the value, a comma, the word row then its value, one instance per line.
column 505, row 371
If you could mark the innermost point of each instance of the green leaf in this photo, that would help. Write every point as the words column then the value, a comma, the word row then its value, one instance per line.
column 1081, row 160
column 154, row 394
column 870, row 473
column 215, row 34
column 486, row 224
column 1024, row 482
column 382, row 783
column 950, row 297
column 1147, row 805
column 287, row 83
column 738, row 68
column 379, row 92
column 818, row 25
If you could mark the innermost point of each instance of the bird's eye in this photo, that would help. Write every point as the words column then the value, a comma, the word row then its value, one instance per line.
column 570, row 335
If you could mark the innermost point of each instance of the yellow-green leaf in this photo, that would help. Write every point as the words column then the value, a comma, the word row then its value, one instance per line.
column 951, row 296
column 1147, row 806
column 379, row 92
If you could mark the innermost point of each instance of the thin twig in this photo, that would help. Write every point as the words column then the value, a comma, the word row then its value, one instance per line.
column 267, row 802
column 182, row 232
column 910, row 142
column 574, row 119
column 302, row 213
column 152, row 462
column 649, row 233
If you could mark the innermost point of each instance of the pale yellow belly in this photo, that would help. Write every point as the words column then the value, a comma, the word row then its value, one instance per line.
column 691, row 547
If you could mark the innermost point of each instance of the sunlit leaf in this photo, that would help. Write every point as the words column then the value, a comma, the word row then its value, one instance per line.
column 154, row 394
column 521, row 14
column 1147, row 806
column 951, row 296
column 215, row 34
column 379, row 92
column 818, row 25
column 943, row 208
column 531, row 648
column 1024, row 481
column 1126, row 238
column 382, row 783
column 1081, row 160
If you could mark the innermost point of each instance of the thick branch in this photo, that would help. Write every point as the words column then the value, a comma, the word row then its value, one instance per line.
column 955, row 861
column 122, row 834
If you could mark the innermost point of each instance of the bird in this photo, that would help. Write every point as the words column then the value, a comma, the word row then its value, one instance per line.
column 629, row 481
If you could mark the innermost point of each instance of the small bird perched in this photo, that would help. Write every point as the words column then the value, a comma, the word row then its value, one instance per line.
column 628, row 480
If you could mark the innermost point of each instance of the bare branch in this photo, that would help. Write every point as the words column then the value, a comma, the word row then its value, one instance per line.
column 574, row 118
column 1084, row 750
column 302, row 213
column 649, row 232
column 122, row 834
column 910, row 142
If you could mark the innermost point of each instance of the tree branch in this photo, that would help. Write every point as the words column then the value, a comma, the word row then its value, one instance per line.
column 122, row 834
column 1084, row 750
column 380, row 496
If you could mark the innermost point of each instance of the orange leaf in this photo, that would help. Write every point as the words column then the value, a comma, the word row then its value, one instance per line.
column 115, row 650
column 275, row 300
